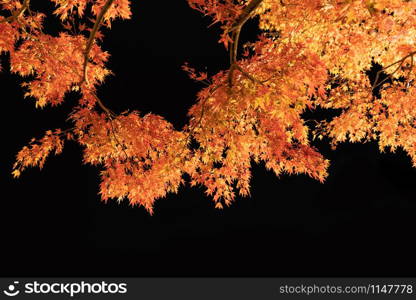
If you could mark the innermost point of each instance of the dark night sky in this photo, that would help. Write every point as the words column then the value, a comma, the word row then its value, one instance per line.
column 361, row 222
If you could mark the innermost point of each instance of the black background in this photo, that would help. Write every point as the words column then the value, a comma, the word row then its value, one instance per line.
column 359, row 223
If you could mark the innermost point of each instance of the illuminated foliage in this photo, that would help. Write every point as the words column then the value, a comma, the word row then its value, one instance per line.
column 309, row 54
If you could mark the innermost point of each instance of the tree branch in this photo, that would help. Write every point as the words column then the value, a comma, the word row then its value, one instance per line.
column 91, row 38
column 400, row 62
column 109, row 113
column 236, row 30
column 88, row 47
column 246, row 14
column 248, row 75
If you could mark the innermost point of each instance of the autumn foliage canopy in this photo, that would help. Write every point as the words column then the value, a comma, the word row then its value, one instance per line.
column 309, row 55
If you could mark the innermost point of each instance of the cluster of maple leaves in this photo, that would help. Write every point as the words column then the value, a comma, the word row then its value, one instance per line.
column 309, row 54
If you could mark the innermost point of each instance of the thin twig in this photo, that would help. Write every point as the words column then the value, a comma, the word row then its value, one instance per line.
column 245, row 15
column 389, row 76
column 108, row 111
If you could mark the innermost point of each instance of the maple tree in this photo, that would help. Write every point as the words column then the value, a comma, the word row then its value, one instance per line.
column 310, row 54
